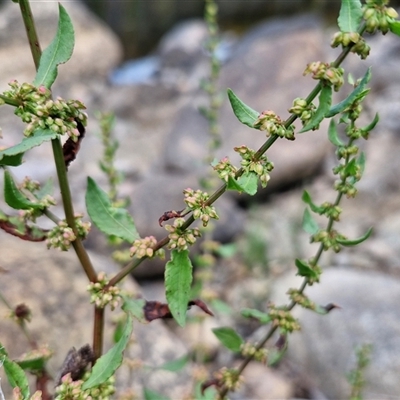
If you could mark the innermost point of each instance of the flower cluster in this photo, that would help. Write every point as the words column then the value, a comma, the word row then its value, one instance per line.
column 144, row 248
column 324, row 72
column 331, row 211
column 303, row 110
column 230, row 378
column 259, row 165
column 377, row 16
column 248, row 349
column 283, row 319
column 225, row 169
column 72, row 390
column 197, row 202
column 39, row 111
column 17, row 395
column 301, row 299
column 101, row 294
column 353, row 39
column 268, row 121
column 61, row 236
column 328, row 239
column 180, row 239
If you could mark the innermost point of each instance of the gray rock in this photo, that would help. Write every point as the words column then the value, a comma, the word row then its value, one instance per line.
column 96, row 51
column 368, row 313
column 263, row 82
column 53, row 285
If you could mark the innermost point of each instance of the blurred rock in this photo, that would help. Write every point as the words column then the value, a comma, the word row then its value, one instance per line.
column 369, row 313
column 53, row 286
column 97, row 49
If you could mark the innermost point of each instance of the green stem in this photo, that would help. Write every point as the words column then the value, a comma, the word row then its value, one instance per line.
column 69, row 211
column 30, row 28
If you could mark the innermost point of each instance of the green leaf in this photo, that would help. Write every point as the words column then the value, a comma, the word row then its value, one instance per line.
column 58, row 52
column 175, row 365
column 372, row 125
column 151, row 395
column 107, row 364
column 136, row 308
column 33, row 364
column 245, row 114
column 209, row 394
column 110, row 220
column 229, row 338
column 220, row 307
column 178, row 280
column 354, row 242
column 227, row 250
column 354, row 95
column 16, row 377
column 333, row 134
column 395, row 27
column 275, row 355
column 309, row 224
column 325, row 101
column 263, row 317
column 303, row 269
column 12, row 161
column 306, row 197
column 14, row 197
column 350, row 15
column 232, row 184
column 36, row 139
column 249, row 183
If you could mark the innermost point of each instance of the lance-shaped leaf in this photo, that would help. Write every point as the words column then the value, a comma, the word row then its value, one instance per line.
column 16, row 377
column 372, row 125
column 13, row 196
column 249, row 183
column 58, row 52
column 107, row 364
column 245, row 114
column 303, row 269
column 229, row 338
column 109, row 219
column 306, row 197
column 37, row 138
column 354, row 242
column 309, row 224
column 263, row 317
column 350, row 15
column 395, row 27
column 325, row 101
column 175, row 365
column 333, row 134
column 354, row 95
column 178, row 281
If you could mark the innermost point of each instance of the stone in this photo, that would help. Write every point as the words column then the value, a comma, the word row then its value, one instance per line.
column 263, row 78
column 368, row 314
column 53, row 285
column 97, row 49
